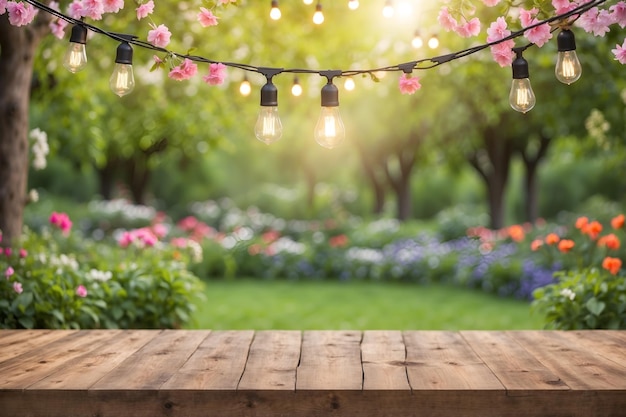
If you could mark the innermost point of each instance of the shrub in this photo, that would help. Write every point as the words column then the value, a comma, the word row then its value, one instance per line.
column 585, row 299
column 58, row 281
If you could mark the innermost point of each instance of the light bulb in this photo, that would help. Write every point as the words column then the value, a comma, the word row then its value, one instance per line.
column 75, row 58
column 349, row 84
column 268, row 128
column 245, row 88
column 296, row 88
column 521, row 97
column 308, row 1
column 329, row 130
column 388, row 9
column 417, row 41
column 567, row 69
column 275, row 11
column 122, row 80
column 353, row 4
column 318, row 16
column 433, row 42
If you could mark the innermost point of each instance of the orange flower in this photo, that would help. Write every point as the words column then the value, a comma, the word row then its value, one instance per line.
column 613, row 265
column 516, row 232
column 536, row 244
column 338, row 241
column 617, row 222
column 593, row 229
column 566, row 245
column 552, row 239
column 581, row 222
column 610, row 241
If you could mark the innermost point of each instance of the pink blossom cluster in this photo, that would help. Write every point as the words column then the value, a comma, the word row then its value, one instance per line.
column 196, row 229
column 61, row 221
column 409, row 84
column 20, row 13
column 143, row 237
column 94, row 9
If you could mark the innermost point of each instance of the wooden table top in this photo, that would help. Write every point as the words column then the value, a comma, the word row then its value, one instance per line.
column 312, row 373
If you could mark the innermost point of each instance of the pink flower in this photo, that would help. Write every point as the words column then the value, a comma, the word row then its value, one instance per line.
column 8, row 251
column 408, row 84
column 467, row 29
column 23, row 253
column 159, row 230
column 563, row 6
column 188, row 223
column 81, row 291
column 446, row 20
column 145, row 9
column 17, row 287
column 20, row 14
column 491, row 3
column 619, row 14
column 9, row 271
column 179, row 242
column 57, row 28
column 3, row 6
column 125, row 239
column 620, row 52
column 503, row 53
column 497, row 30
column 596, row 21
column 217, row 74
column 184, row 71
column 113, row 6
column 539, row 35
column 93, row 9
column 159, row 35
column 206, row 18
column 62, row 221
column 75, row 9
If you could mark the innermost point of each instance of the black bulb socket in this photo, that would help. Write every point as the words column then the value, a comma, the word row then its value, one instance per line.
column 124, row 54
column 269, row 95
column 566, row 41
column 520, row 68
column 79, row 34
column 330, row 95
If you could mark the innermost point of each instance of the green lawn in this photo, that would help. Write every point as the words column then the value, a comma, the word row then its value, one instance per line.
column 261, row 305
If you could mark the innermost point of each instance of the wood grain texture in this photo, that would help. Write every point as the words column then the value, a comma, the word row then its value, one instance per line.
column 180, row 373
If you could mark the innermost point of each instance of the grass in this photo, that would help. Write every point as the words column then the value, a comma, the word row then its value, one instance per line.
column 264, row 305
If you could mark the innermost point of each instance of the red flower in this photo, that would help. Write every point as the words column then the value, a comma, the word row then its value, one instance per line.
column 581, row 222
column 613, row 265
column 566, row 245
column 610, row 241
column 592, row 229
column 516, row 232
column 536, row 244
column 552, row 239
column 617, row 222
column 338, row 241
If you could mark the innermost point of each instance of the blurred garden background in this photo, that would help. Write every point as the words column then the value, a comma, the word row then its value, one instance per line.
column 443, row 209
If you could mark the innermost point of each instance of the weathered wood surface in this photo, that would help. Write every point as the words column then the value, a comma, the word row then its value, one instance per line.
column 207, row 373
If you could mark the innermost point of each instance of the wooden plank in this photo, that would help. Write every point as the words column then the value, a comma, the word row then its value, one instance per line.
column 514, row 367
column 444, row 361
column 384, row 361
column 272, row 361
column 18, row 342
column 217, row 364
column 151, row 366
column 37, row 364
column 330, row 361
column 86, row 370
column 579, row 367
column 610, row 344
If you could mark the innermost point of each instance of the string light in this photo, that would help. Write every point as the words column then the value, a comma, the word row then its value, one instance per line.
column 268, row 128
column 521, row 97
column 567, row 69
column 349, row 84
column 417, row 42
column 388, row 9
column 308, row 2
column 318, row 16
column 353, row 4
column 122, row 80
column 275, row 13
column 329, row 130
column 245, row 88
column 296, row 88
column 76, row 55
column 433, row 42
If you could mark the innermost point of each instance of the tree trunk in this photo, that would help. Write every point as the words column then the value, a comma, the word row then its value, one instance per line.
column 106, row 177
column 377, row 184
column 403, row 198
column 137, row 177
column 17, row 50
column 531, row 165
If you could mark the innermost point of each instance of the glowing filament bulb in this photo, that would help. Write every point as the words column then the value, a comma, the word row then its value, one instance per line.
column 417, row 41
column 122, row 80
column 308, row 1
column 567, row 69
column 296, row 88
column 275, row 11
column 329, row 130
column 268, row 128
column 353, row 4
column 349, row 84
column 521, row 97
column 388, row 9
column 75, row 58
column 318, row 16
column 244, row 88
column 433, row 42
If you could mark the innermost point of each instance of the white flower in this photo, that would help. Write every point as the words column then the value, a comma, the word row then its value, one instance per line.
column 566, row 292
column 40, row 148
column 33, row 196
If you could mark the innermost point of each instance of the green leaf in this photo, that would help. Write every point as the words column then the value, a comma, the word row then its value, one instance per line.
column 27, row 322
column 594, row 306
